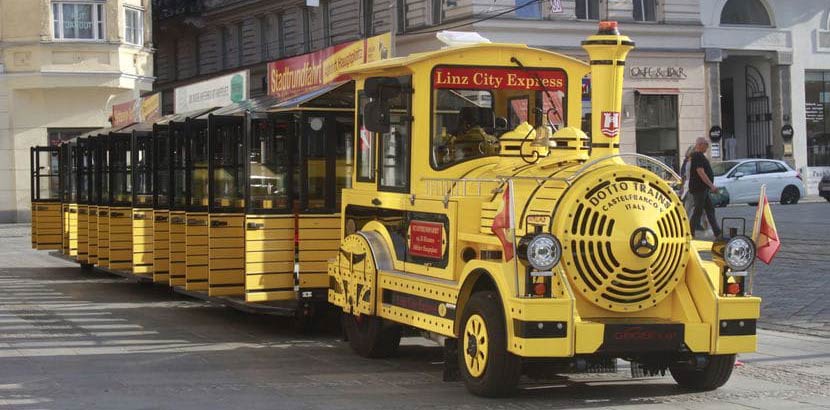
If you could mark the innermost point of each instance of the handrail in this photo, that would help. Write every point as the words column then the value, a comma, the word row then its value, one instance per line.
column 451, row 183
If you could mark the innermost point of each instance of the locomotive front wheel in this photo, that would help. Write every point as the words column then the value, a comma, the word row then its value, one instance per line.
column 715, row 374
column 371, row 336
column 487, row 367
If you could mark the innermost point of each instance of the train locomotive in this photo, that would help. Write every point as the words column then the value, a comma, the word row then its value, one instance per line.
column 524, row 245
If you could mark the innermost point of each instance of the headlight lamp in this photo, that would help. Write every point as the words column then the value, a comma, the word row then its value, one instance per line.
column 739, row 253
column 542, row 251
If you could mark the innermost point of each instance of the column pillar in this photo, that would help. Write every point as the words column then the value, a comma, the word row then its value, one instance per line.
column 781, row 91
column 712, row 59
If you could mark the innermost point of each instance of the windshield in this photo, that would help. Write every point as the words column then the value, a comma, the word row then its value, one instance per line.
column 473, row 106
column 721, row 168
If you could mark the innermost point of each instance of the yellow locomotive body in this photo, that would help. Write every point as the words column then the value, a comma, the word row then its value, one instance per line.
column 438, row 205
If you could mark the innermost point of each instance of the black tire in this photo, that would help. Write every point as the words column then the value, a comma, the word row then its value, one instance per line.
column 714, row 375
column 502, row 369
column 371, row 336
column 790, row 195
column 827, row 198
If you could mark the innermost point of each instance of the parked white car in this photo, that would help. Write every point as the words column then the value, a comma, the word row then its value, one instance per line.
column 742, row 180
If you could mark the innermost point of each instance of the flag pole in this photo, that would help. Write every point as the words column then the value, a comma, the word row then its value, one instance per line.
column 756, row 228
column 512, row 216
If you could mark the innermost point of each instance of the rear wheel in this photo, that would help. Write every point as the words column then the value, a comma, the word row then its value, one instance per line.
column 790, row 195
column 371, row 336
column 715, row 374
column 487, row 367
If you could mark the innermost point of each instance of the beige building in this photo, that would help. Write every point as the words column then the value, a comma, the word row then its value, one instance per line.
column 63, row 64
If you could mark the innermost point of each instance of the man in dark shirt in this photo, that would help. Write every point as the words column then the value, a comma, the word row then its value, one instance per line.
column 700, row 184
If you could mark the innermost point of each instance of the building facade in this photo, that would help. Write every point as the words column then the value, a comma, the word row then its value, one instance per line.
column 63, row 64
column 768, row 71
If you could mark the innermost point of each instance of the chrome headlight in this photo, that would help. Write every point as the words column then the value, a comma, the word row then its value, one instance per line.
column 739, row 253
column 543, row 251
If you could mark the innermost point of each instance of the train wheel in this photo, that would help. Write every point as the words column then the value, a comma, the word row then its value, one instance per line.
column 487, row 367
column 715, row 374
column 371, row 336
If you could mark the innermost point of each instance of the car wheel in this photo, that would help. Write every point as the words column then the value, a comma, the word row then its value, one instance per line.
column 790, row 195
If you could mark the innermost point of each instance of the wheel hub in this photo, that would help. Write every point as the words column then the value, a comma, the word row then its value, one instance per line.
column 475, row 340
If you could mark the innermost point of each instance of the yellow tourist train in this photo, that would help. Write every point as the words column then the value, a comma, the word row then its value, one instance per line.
column 455, row 192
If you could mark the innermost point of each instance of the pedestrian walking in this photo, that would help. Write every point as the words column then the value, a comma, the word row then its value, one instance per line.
column 700, row 184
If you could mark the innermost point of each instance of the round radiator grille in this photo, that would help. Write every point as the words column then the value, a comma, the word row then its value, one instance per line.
column 625, row 238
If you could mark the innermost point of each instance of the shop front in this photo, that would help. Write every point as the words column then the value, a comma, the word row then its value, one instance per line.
column 663, row 105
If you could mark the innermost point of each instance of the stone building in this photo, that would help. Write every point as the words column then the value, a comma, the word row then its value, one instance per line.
column 63, row 64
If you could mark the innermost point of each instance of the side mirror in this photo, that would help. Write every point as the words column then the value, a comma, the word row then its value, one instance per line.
column 738, row 175
column 376, row 116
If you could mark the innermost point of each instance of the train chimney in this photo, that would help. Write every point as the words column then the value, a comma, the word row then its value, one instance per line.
column 607, row 51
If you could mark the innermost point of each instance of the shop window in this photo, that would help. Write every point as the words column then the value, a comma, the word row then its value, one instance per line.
column 645, row 10
column 529, row 9
column 134, row 26
column 656, row 134
column 587, row 9
column 817, row 110
column 745, row 12
column 78, row 20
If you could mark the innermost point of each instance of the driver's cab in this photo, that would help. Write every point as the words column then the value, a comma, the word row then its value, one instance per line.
column 458, row 113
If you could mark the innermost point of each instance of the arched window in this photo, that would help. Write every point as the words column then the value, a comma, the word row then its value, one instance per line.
column 749, row 12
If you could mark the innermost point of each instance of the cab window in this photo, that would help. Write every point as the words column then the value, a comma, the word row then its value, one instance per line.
column 394, row 143
column 473, row 106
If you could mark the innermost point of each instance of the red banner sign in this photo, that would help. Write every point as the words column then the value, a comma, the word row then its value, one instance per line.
column 481, row 78
column 140, row 110
column 426, row 239
column 298, row 75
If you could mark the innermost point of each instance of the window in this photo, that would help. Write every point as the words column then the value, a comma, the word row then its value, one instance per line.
column 365, row 146
column 394, row 145
column 527, row 10
column 749, row 12
column 769, row 167
column 306, row 29
column 657, row 128
column 134, row 26
column 644, row 10
column 747, row 168
column 817, row 110
column 367, row 7
column 438, row 11
column 271, row 160
column 265, row 36
column 587, row 9
column 78, row 21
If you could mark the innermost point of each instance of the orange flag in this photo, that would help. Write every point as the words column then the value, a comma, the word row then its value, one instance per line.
column 767, row 241
column 503, row 224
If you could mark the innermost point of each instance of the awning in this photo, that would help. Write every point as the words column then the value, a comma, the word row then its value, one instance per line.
column 182, row 117
column 657, row 91
column 308, row 99
column 251, row 105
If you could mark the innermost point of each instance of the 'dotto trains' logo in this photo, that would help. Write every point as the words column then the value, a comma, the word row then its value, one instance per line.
column 610, row 123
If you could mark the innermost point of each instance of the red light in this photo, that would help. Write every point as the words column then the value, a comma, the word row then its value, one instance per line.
column 733, row 288
column 608, row 27
column 539, row 289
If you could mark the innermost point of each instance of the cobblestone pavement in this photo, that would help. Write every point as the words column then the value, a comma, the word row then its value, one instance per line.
column 796, row 287
column 86, row 340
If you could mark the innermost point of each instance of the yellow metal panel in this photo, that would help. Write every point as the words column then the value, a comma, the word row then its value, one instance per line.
column 236, row 242
column 314, row 280
column 198, row 240
column 307, row 222
column 227, row 277
column 196, row 260
column 314, row 234
column 226, row 291
column 317, row 256
column 219, row 253
column 273, row 234
column 233, row 232
column 233, row 263
column 273, row 245
column 319, row 245
column 269, row 296
column 196, row 286
column 589, row 336
column 274, row 256
column 736, row 344
column 197, row 273
column 269, row 267
column 313, row 267
column 269, row 281
column 275, row 222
